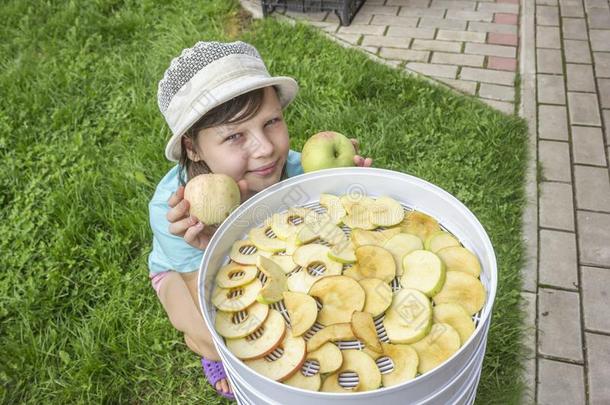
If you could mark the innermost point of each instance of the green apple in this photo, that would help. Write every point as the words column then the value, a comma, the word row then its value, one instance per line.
column 212, row 197
column 326, row 150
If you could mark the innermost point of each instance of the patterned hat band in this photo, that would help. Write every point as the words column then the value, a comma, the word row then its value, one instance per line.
column 207, row 75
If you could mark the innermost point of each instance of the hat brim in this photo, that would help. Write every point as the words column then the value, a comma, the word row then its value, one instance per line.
column 287, row 91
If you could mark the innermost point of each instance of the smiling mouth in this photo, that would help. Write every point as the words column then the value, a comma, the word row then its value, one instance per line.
column 268, row 168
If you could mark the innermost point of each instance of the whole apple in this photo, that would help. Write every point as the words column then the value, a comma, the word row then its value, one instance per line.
column 326, row 150
column 212, row 197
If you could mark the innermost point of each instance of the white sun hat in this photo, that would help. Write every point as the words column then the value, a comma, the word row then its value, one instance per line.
column 207, row 75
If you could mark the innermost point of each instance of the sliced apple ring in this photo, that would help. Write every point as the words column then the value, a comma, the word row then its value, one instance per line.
column 401, row 244
column 362, row 237
column 440, row 240
column 282, row 368
column 238, row 298
column 378, row 295
column 316, row 253
column 330, row 333
column 235, row 325
column 348, row 200
column 343, row 252
column 424, row 271
column 404, row 360
column 386, row 211
column 302, row 310
column 359, row 217
column 456, row 316
column 234, row 275
column 285, row 262
column 457, row 258
column 340, row 296
column 333, row 206
column 246, row 259
column 263, row 341
column 363, row 327
column 464, row 289
column 375, row 262
column 259, row 237
column 328, row 356
column 275, row 284
column 437, row 347
column 300, row 380
column 409, row 318
column 369, row 376
column 289, row 222
column 420, row 224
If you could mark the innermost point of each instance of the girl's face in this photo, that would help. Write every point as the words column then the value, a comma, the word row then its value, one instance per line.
column 242, row 150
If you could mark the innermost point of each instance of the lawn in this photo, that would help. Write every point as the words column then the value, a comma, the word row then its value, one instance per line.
column 81, row 150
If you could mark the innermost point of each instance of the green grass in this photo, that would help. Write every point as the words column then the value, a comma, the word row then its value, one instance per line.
column 81, row 149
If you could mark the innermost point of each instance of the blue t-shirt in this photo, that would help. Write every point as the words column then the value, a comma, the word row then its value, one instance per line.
column 170, row 252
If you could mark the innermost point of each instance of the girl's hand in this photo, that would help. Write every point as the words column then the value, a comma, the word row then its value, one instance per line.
column 359, row 160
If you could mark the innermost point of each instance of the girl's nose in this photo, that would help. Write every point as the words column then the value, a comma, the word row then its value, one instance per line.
column 259, row 145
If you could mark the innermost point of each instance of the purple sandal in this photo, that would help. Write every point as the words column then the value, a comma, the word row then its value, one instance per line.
column 214, row 372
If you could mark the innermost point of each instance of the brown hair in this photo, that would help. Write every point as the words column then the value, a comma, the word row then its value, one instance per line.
column 234, row 111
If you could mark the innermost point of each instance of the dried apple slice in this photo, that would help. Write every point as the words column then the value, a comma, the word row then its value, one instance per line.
column 238, row 298
column 300, row 380
column 464, row 289
column 328, row 356
column 424, row 271
column 259, row 237
column 401, row 244
column 316, row 254
column 404, row 359
column 409, row 318
column 359, row 217
column 235, row 325
column 378, row 295
column 437, row 347
column 234, row 275
column 375, row 262
column 369, row 376
column 457, row 258
column 363, row 327
column 289, row 222
column 349, row 200
column 323, row 228
column 302, row 310
column 333, row 206
column 440, row 240
column 353, row 272
column 420, row 224
column 247, row 245
column 330, row 333
column 285, row 262
column 362, row 237
column 291, row 360
column 275, row 284
column 340, row 296
column 456, row 316
column 291, row 244
column 263, row 341
column 343, row 252
column 386, row 211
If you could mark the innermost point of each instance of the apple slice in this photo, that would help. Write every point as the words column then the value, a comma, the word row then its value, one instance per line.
column 369, row 376
column 263, row 341
column 291, row 360
column 440, row 240
column 353, row 272
column 333, row 206
column 330, row 333
column 456, row 316
column 340, row 296
column 362, row 237
column 375, row 262
column 285, row 262
column 259, row 237
column 234, row 325
column 323, row 228
column 378, row 295
column 359, row 217
column 234, row 275
column 328, row 356
column 302, row 310
column 343, row 252
column 464, row 289
column 386, row 211
column 243, row 245
column 363, row 327
column 289, row 222
column 420, row 224
column 291, row 244
column 437, row 347
column 401, row 244
column 275, row 284
column 300, row 380
column 424, row 271
column 404, row 359
column 314, row 254
column 238, row 298
column 457, row 258
column 409, row 318
column 348, row 200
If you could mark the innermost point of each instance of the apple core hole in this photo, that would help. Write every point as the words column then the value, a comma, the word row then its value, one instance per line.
column 239, row 317
column 316, row 269
column 295, row 220
column 235, row 293
column 269, row 233
column 275, row 355
column 385, row 364
column 348, row 379
column 256, row 334
column 236, row 275
column 247, row 249
column 310, row 367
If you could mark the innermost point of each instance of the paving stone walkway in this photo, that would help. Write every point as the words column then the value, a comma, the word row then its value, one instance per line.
column 561, row 48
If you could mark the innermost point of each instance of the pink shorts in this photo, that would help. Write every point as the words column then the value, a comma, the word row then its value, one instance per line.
column 156, row 279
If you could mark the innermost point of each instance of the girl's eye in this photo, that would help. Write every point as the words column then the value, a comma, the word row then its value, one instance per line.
column 273, row 121
column 233, row 137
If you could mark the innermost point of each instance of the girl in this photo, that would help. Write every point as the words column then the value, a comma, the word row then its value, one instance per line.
column 225, row 114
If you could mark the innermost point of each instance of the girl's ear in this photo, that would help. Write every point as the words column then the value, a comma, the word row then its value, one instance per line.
column 191, row 153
